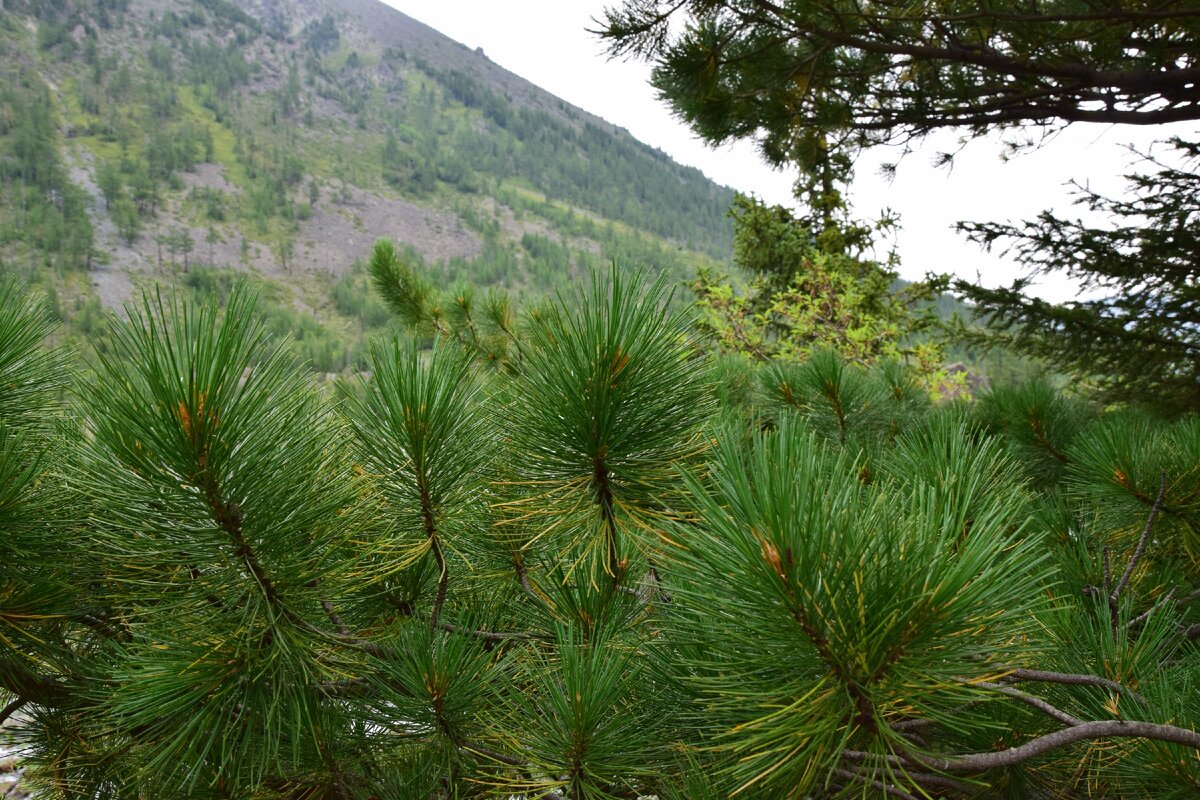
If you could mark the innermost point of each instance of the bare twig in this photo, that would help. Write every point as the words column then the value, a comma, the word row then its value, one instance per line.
column 1030, row 700
column 335, row 618
column 1107, row 584
column 11, row 709
column 436, row 546
column 1071, row 679
column 1155, row 510
column 938, row 781
column 996, row 759
column 1145, row 615
column 888, row 789
column 488, row 636
column 910, row 725
column 523, row 576
column 495, row 755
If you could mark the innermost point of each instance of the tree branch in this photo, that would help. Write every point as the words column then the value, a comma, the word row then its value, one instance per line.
column 996, row 759
column 858, row 777
column 1155, row 510
column 488, row 636
column 1028, row 699
column 11, row 709
column 1071, row 679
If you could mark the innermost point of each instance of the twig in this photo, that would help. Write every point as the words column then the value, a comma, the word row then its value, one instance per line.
column 495, row 755
column 1145, row 615
column 443, row 576
column 11, row 709
column 488, row 636
column 1155, row 510
column 910, row 725
column 523, row 576
column 1071, row 679
column 1028, row 699
column 1107, row 584
column 980, row 762
column 938, row 781
column 335, row 618
column 888, row 789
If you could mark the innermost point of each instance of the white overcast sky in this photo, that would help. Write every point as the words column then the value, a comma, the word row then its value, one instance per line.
column 546, row 42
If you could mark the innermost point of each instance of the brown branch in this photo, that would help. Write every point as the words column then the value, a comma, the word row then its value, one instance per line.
column 1071, row 679
column 1030, row 700
column 474, row 747
column 335, row 618
column 996, row 759
column 228, row 516
column 488, row 636
column 11, row 709
column 1155, row 510
column 938, row 781
column 604, row 499
column 523, row 576
column 887, row 789
column 1104, row 729
column 436, row 547
column 1145, row 615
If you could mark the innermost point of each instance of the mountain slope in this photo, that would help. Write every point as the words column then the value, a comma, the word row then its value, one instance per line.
column 152, row 141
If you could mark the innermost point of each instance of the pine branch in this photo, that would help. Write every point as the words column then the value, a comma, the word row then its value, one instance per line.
column 1145, row 615
column 11, row 709
column 858, row 777
column 468, row 746
column 1028, row 699
column 436, row 546
column 335, row 618
column 1155, row 510
column 1012, row 756
column 1071, row 679
column 489, row 636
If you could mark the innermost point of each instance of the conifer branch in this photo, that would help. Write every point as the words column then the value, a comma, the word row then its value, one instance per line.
column 604, row 499
column 466, row 745
column 1072, row 679
column 335, row 618
column 11, row 709
column 1041, row 745
column 436, row 546
column 1145, row 615
column 1030, row 700
column 1155, row 510
column 488, row 636
column 888, row 789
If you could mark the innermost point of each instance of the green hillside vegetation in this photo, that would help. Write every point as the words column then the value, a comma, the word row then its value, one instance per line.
column 376, row 426
column 202, row 138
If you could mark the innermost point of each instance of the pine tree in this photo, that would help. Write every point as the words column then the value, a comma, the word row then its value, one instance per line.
column 576, row 579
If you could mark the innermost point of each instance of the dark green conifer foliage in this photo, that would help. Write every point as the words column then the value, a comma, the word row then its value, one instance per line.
column 1137, row 340
column 566, row 581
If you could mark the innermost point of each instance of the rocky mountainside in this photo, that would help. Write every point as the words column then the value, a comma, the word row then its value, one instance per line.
column 178, row 141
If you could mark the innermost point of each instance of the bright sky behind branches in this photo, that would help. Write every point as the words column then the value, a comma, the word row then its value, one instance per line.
column 546, row 42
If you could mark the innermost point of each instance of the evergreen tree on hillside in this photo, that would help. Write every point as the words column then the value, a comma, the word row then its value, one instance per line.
column 1140, row 338
column 815, row 83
